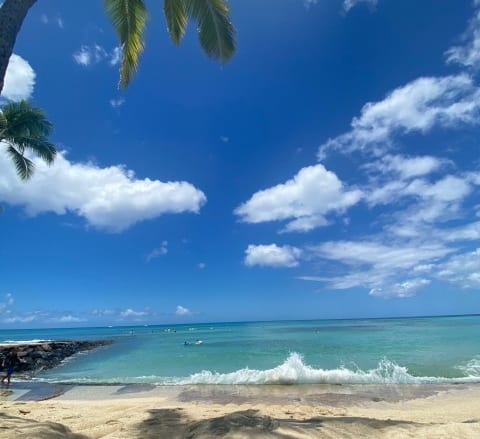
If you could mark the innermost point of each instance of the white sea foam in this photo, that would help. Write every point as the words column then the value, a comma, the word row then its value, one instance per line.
column 471, row 368
column 25, row 341
column 295, row 371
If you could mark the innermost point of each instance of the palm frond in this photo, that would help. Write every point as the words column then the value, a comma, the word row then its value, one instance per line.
column 215, row 30
column 3, row 125
column 22, row 118
column 40, row 146
column 176, row 14
column 129, row 18
column 24, row 166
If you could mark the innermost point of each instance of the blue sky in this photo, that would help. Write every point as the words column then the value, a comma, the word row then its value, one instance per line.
column 330, row 170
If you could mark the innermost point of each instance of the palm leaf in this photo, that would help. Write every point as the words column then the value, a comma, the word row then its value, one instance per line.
column 24, row 166
column 21, row 117
column 129, row 18
column 215, row 30
column 3, row 126
column 176, row 15
column 40, row 146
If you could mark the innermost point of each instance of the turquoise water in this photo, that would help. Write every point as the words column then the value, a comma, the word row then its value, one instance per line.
column 410, row 350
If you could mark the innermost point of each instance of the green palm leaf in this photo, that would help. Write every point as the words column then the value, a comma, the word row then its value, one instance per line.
column 3, row 125
column 176, row 14
column 40, row 146
column 215, row 30
column 25, row 128
column 24, row 166
column 129, row 18
column 22, row 118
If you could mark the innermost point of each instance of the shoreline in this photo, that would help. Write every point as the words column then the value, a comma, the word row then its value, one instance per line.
column 201, row 412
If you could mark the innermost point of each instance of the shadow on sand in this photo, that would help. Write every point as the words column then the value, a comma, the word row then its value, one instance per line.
column 23, row 428
column 173, row 424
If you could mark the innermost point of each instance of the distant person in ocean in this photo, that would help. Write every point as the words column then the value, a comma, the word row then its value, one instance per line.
column 10, row 362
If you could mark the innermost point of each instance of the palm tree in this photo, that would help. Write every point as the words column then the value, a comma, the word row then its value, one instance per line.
column 129, row 18
column 25, row 128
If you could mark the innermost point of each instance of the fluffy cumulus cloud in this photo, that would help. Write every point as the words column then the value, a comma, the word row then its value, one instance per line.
column 182, row 311
column 19, row 79
column 418, row 243
column 349, row 4
column 272, row 256
column 305, row 200
column 109, row 198
column 420, row 213
column 419, row 106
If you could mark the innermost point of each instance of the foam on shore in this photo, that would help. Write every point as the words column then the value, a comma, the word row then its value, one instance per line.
column 294, row 371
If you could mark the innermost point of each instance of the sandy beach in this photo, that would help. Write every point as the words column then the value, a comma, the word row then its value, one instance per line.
column 144, row 411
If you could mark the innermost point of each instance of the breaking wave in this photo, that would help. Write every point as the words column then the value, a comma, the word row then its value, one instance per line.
column 295, row 371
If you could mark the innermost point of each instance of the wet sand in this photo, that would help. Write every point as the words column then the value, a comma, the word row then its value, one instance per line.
column 33, row 410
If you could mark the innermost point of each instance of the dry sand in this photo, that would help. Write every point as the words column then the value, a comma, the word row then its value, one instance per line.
column 241, row 412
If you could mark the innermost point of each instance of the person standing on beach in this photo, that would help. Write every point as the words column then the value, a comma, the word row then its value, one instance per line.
column 10, row 362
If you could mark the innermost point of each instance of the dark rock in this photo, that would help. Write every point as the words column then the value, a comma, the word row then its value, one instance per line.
column 45, row 355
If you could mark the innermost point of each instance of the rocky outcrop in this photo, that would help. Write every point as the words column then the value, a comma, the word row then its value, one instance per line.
column 48, row 354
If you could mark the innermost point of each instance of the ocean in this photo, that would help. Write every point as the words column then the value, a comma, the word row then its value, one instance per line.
column 363, row 351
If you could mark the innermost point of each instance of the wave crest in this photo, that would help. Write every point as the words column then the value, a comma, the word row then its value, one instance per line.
column 295, row 371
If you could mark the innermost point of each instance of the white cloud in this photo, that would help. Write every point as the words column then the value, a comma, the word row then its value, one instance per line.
column 306, row 199
column 224, row 139
column 110, row 198
column 181, row 311
column 378, row 255
column 10, row 300
column 272, row 256
column 407, row 167
column 5, row 306
column 58, row 21
column 103, row 312
column 117, row 103
column 68, row 319
column 401, row 290
column 467, row 232
column 201, row 265
column 95, row 54
column 129, row 312
column 157, row 252
column 83, row 56
column 115, row 56
column 462, row 269
column 21, row 318
column 19, row 79
column 415, row 107
column 309, row 3
column 468, row 54
column 384, row 269
column 349, row 4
